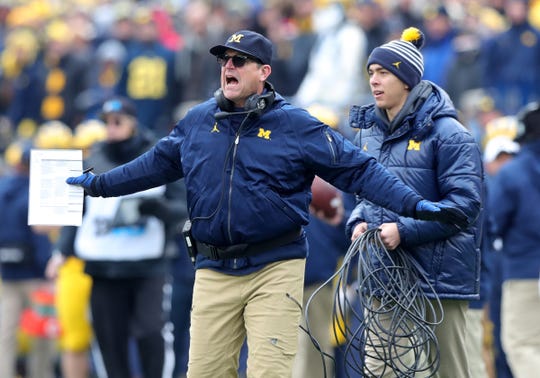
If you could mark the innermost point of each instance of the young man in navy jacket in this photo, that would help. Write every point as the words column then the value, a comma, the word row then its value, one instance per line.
column 413, row 130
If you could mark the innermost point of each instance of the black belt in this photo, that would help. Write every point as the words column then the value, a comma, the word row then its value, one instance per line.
column 243, row 250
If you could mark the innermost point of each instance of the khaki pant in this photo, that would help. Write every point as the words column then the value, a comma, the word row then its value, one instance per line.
column 475, row 341
column 14, row 298
column 451, row 337
column 308, row 362
column 228, row 308
column 520, row 327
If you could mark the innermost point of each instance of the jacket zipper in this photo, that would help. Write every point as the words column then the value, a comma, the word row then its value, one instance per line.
column 236, row 141
column 330, row 144
column 233, row 159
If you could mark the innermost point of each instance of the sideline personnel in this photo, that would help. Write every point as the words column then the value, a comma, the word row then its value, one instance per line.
column 412, row 128
column 248, row 159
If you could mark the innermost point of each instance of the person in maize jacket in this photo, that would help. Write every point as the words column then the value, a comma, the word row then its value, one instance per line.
column 248, row 159
column 413, row 130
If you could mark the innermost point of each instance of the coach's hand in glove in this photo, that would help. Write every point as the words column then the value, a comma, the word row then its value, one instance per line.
column 88, row 181
column 430, row 211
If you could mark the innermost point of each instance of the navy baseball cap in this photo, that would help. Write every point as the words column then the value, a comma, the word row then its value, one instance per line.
column 120, row 105
column 247, row 42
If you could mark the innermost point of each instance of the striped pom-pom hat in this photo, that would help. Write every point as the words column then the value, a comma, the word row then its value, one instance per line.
column 402, row 57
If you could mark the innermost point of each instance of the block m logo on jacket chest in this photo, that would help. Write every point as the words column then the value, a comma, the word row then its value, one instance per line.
column 413, row 145
column 265, row 134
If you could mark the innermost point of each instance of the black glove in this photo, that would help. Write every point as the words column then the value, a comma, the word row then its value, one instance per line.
column 155, row 207
column 430, row 211
column 88, row 181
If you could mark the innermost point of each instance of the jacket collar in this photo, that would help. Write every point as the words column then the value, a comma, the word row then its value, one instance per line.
column 426, row 103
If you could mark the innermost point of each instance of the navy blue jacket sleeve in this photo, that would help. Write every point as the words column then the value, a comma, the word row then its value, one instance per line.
column 158, row 166
column 338, row 161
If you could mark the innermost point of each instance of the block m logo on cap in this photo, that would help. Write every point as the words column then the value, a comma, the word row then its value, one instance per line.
column 236, row 38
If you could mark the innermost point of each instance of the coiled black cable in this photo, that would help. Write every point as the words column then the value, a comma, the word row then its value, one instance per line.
column 382, row 315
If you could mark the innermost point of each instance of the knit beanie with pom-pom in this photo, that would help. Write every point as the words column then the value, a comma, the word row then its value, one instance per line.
column 402, row 57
